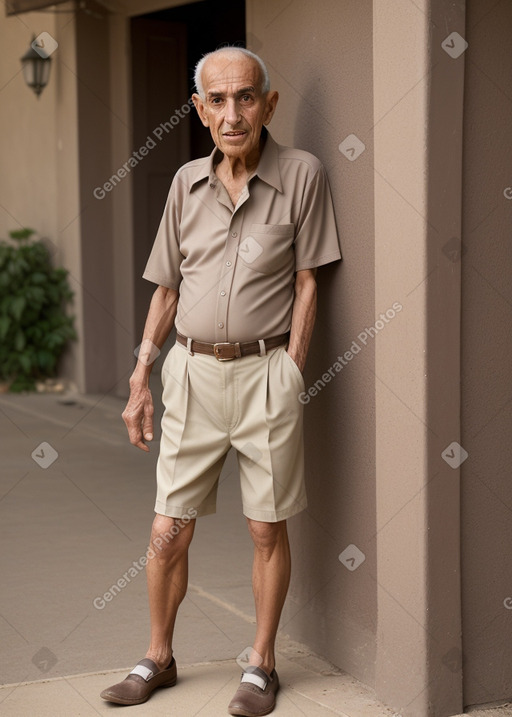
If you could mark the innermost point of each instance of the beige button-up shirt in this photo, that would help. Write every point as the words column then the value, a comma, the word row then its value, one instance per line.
column 235, row 266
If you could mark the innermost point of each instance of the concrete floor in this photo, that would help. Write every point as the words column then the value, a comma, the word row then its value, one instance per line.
column 70, row 529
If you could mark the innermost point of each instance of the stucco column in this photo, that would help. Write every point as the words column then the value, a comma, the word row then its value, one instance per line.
column 418, row 93
column 69, row 237
column 122, row 211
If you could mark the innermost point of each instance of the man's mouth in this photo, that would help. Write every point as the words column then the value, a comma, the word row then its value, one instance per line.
column 234, row 133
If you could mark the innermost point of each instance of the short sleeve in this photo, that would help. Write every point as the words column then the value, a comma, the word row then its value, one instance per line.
column 316, row 238
column 163, row 265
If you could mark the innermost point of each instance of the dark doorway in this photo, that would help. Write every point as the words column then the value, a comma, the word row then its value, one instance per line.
column 165, row 48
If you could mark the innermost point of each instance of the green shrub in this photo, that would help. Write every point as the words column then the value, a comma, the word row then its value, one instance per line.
column 34, row 326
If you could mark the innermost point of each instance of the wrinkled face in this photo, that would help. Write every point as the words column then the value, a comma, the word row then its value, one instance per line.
column 234, row 108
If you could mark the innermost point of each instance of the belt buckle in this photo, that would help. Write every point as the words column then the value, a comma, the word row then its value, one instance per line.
column 217, row 351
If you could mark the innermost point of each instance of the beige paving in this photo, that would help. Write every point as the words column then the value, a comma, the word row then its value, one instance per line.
column 72, row 529
column 203, row 690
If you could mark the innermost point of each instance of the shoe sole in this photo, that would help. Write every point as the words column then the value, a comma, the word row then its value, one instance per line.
column 243, row 713
column 120, row 701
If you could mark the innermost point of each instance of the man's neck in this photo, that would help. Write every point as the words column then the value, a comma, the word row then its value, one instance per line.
column 238, row 169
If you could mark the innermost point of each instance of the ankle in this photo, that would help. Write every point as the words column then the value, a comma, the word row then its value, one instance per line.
column 161, row 658
column 268, row 667
column 266, row 661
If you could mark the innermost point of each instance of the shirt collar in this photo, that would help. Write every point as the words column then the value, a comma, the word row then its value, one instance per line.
column 267, row 169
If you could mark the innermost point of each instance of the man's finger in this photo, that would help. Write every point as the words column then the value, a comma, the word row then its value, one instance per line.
column 136, row 439
column 147, row 423
column 134, row 432
column 147, row 428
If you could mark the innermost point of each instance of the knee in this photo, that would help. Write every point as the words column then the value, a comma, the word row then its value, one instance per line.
column 170, row 537
column 267, row 536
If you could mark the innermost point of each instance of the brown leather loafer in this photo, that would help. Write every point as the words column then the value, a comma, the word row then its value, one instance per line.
column 256, row 695
column 138, row 686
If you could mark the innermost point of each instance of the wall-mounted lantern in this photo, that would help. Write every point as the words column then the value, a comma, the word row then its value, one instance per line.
column 36, row 68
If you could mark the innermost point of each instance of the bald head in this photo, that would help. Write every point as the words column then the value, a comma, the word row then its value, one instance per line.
column 234, row 102
column 224, row 56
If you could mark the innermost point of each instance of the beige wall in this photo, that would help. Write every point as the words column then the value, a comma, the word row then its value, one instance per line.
column 39, row 182
column 320, row 60
column 486, row 352
column 27, row 198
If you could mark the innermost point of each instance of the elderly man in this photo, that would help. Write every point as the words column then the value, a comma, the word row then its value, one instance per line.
column 234, row 259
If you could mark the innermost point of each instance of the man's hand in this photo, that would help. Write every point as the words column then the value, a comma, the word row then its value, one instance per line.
column 298, row 362
column 138, row 416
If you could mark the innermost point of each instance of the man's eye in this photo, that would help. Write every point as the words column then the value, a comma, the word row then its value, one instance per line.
column 216, row 100
column 246, row 98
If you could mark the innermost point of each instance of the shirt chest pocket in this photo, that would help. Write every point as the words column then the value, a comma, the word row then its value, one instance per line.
column 267, row 247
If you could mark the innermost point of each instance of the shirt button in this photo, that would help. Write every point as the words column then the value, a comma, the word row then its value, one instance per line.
column 212, row 185
column 228, row 263
column 223, row 293
column 234, row 234
column 221, row 325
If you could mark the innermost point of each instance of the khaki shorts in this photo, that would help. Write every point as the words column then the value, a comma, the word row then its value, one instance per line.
column 250, row 403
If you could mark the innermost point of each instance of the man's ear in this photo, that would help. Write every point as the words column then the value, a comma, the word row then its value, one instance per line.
column 270, row 106
column 201, row 110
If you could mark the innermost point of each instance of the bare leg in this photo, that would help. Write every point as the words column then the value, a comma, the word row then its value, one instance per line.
column 167, row 578
column 270, row 581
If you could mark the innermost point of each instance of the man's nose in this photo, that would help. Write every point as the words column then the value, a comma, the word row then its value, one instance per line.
column 232, row 111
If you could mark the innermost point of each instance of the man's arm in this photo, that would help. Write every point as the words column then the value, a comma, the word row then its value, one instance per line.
column 303, row 316
column 138, row 414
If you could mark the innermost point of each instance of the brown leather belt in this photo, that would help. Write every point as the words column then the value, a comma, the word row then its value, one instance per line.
column 226, row 351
